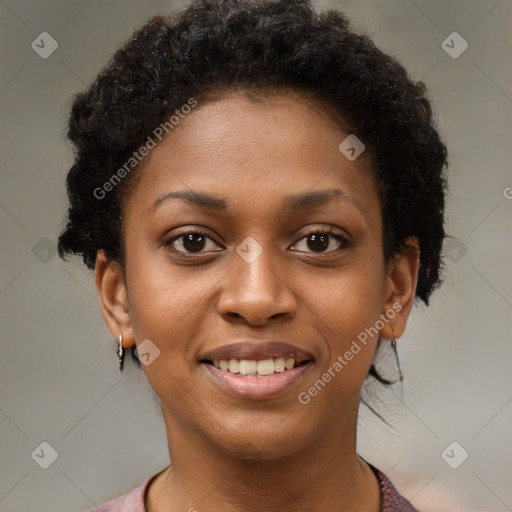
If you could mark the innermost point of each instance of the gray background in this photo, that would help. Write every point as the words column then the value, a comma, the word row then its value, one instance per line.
column 59, row 381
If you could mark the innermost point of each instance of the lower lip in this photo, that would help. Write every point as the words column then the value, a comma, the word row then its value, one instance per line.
column 257, row 388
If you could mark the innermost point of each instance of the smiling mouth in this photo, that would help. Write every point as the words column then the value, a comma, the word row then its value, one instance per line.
column 254, row 368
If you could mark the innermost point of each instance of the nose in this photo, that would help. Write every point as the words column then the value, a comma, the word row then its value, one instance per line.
column 257, row 291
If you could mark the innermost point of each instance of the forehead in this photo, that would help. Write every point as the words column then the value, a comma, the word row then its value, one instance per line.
column 260, row 150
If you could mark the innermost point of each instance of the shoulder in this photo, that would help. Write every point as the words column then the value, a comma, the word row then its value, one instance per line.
column 132, row 501
column 392, row 500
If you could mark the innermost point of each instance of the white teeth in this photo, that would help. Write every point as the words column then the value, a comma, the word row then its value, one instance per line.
column 253, row 367
column 234, row 365
column 279, row 364
column 265, row 367
column 248, row 367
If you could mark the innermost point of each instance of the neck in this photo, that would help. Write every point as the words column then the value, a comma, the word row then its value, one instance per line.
column 203, row 476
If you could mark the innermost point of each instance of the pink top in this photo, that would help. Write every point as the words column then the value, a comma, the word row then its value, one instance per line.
column 133, row 501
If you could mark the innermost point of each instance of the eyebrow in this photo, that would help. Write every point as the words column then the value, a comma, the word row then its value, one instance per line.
column 302, row 201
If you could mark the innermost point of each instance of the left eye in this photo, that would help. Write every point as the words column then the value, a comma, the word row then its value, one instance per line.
column 320, row 240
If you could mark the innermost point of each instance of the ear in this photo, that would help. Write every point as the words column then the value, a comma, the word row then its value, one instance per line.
column 113, row 298
column 400, row 289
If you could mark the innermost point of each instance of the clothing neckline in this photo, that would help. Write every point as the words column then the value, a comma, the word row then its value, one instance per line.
column 389, row 496
column 145, row 488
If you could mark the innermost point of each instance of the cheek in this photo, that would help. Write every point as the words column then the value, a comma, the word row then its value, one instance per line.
column 162, row 297
column 166, row 307
column 349, row 309
column 169, row 305
column 352, row 300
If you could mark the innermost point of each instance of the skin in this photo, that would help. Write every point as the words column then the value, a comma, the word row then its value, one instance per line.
column 250, row 455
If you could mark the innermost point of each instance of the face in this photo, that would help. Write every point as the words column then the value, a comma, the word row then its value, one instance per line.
column 249, row 226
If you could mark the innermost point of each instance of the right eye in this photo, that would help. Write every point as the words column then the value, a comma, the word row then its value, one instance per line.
column 193, row 242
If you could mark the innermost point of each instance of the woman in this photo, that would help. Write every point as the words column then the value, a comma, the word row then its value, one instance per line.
column 260, row 191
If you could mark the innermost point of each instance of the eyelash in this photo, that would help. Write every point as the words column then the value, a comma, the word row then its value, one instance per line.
column 343, row 240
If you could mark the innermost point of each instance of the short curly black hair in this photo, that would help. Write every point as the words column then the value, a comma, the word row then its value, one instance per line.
column 258, row 46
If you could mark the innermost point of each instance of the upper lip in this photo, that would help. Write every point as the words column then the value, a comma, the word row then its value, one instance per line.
column 250, row 350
